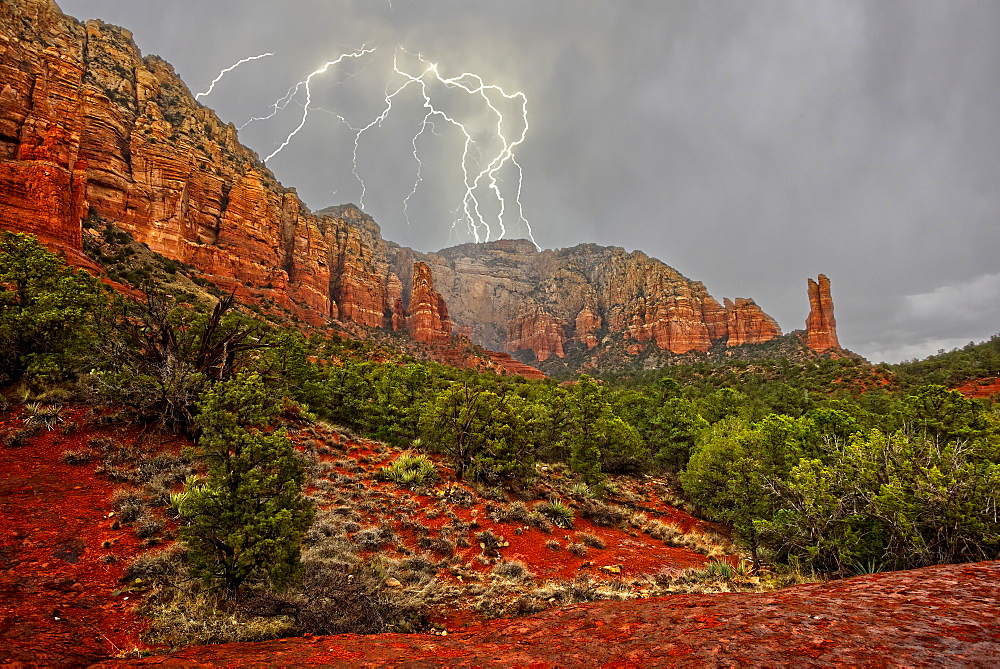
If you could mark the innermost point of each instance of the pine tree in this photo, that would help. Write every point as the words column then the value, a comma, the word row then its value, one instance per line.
column 46, row 311
column 247, row 519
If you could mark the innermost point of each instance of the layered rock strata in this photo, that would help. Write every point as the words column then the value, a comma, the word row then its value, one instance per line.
column 515, row 298
column 746, row 323
column 821, row 326
column 428, row 320
column 89, row 124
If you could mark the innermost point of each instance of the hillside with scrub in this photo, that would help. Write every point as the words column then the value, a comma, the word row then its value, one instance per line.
column 222, row 475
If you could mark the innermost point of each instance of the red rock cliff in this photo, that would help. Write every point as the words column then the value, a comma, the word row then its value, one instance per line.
column 748, row 324
column 513, row 297
column 821, row 326
column 87, row 122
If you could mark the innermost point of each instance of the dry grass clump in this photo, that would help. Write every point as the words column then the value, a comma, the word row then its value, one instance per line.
column 513, row 570
column 80, row 456
column 505, row 598
column 15, row 438
column 374, row 538
column 701, row 542
column 590, row 540
column 338, row 593
column 129, row 504
column 604, row 514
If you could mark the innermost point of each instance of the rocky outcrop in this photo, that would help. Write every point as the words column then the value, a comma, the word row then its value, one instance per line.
column 748, row 324
column 821, row 326
column 515, row 298
column 535, row 330
column 428, row 320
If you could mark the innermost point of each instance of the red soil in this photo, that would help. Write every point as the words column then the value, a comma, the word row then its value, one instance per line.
column 945, row 615
column 60, row 604
column 989, row 387
column 628, row 553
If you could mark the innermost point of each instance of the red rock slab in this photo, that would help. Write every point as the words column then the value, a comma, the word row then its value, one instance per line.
column 947, row 615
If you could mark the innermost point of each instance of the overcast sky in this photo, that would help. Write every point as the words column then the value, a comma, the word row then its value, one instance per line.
column 748, row 144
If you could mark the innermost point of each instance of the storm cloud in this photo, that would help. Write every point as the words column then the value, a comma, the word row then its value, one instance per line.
column 749, row 145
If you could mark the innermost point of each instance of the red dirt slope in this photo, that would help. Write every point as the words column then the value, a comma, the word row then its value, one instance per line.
column 60, row 602
column 948, row 615
column 988, row 387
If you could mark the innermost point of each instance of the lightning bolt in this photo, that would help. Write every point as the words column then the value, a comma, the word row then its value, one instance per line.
column 305, row 84
column 479, row 174
column 471, row 84
column 227, row 70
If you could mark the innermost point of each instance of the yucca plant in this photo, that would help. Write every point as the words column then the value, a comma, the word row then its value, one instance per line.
column 42, row 414
column 560, row 514
column 718, row 569
column 410, row 469
column 744, row 569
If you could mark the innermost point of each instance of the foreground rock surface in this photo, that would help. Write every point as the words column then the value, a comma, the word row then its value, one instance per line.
column 943, row 615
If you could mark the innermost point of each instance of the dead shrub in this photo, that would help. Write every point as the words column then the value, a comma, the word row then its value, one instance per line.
column 590, row 540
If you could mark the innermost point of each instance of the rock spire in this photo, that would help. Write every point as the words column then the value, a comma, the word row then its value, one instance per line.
column 821, row 326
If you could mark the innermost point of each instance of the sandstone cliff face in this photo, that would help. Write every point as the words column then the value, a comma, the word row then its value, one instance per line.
column 515, row 298
column 748, row 324
column 87, row 122
column 821, row 326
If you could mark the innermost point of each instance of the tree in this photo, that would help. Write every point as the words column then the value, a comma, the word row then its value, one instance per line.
column 946, row 414
column 46, row 311
column 598, row 440
column 246, row 520
column 675, row 427
column 483, row 432
column 726, row 477
column 163, row 355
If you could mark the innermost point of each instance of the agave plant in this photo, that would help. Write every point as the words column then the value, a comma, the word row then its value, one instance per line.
column 560, row 514
column 43, row 414
column 410, row 469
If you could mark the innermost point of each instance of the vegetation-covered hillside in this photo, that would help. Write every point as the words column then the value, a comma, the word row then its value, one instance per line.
column 972, row 361
column 831, row 465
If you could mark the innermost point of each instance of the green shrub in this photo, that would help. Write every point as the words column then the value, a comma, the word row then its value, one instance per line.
column 46, row 312
column 246, row 520
column 410, row 469
column 560, row 514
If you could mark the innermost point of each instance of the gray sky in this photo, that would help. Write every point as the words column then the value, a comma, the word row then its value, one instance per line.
column 750, row 145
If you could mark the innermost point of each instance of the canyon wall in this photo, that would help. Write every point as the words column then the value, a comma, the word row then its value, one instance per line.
column 91, row 128
column 512, row 297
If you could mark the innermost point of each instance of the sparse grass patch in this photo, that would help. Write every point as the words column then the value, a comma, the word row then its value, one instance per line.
column 80, row 456
column 514, row 570
column 129, row 504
